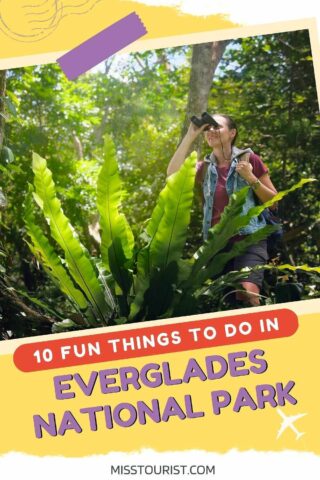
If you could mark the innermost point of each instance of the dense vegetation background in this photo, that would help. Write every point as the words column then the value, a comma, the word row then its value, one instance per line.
column 143, row 101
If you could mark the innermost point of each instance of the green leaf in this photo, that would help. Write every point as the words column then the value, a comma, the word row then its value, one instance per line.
column 217, row 264
column 45, row 253
column 77, row 258
column 7, row 155
column 40, row 304
column 255, row 211
column 304, row 268
column 231, row 222
column 167, row 231
column 171, row 232
column 141, row 284
column 216, row 287
column 208, row 261
column 10, row 106
column 159, row 295
column 117, row 240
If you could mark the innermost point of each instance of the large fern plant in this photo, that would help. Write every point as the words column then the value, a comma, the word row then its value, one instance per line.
column 127, row 283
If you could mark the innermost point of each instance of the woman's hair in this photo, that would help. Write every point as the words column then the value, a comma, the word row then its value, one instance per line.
column 231, row 125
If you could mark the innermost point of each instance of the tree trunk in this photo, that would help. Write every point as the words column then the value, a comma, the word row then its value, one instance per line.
column 205, row 59
column 3, row 201
column 78, row 146
column 100, row 130
column 2, row 104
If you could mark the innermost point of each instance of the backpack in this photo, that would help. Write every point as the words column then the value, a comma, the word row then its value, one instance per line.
column 271, row 217
column 274, row 240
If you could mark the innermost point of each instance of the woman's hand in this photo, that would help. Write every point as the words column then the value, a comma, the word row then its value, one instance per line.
column 264, row 188
column 193, row 131
column 245, row 171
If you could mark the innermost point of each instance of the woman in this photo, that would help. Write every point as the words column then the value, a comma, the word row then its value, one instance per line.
column 225, row 170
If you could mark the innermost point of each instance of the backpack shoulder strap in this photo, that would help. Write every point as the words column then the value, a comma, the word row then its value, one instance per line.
column 245, row 157
column 203, row 172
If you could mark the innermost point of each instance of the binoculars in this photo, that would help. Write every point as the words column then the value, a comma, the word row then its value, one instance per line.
column 205, row 118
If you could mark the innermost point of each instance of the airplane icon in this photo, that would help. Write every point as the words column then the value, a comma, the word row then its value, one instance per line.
column 288, row 422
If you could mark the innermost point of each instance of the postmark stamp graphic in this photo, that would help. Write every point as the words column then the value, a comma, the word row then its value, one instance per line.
column 34, row 20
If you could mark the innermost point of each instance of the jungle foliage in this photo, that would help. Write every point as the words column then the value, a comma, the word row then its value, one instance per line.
column 266, row 82
column 128, row 282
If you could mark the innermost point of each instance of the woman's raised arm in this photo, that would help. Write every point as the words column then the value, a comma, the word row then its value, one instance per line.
column 184, row 148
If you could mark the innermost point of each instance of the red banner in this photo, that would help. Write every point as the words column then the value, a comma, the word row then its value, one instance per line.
column 155, row 340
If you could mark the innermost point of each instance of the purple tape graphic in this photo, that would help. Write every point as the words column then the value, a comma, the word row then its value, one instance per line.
column 102, row 45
